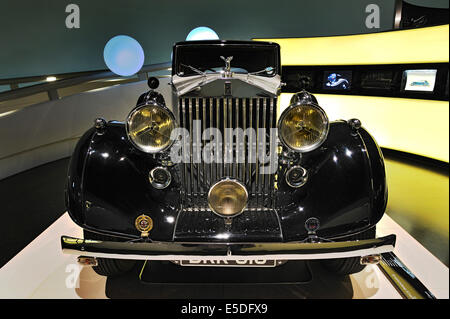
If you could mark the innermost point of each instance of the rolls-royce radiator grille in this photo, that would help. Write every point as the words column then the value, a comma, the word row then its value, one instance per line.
column 222, row 113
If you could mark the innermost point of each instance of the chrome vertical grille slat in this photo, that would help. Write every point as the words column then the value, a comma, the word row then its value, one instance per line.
column 187, row 183
column 263, row 144
column 191, row 147
column 251, row 153
column 197, row 176
column 196, row 154
column 211, row 124
column 230, row 138
column 225, row 135
column 238, row 145
column 271, row 124
column 257, row 176
column 219, row 142
column 244, row 125
column 204, row 170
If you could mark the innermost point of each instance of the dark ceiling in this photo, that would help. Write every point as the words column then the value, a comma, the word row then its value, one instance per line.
column 35, row 40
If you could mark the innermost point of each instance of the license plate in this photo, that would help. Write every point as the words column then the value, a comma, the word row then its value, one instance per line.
column 228, row 263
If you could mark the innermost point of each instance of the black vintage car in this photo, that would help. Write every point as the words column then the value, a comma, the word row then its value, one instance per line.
column 215, row 175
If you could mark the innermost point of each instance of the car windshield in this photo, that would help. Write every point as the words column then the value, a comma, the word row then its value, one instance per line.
column 218, row 69
column 198, row 59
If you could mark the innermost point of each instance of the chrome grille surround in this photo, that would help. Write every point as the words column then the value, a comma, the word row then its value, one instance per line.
column 197, row 176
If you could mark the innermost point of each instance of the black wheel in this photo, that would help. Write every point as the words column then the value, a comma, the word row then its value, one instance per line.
column 106, row 266
column 348, row 266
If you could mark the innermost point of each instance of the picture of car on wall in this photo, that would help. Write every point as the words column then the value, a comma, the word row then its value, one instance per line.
column 338, row 80
column 419, row 80
column 420, row 83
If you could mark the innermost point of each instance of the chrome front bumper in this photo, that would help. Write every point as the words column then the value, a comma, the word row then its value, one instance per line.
column 226, row 251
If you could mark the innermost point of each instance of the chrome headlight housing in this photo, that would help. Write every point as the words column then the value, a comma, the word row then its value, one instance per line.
column 149, row 127
column 303, row 127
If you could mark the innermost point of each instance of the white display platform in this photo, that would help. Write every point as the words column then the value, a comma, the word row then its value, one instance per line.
column 41, row 270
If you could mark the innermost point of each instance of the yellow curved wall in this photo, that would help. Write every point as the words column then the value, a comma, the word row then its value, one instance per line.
column 415, row 126
column 410, row 125
column 426, row 45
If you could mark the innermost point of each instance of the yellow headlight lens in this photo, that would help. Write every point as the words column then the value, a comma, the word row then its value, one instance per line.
column 149, row 128
column 303, row 127
column 227, row 198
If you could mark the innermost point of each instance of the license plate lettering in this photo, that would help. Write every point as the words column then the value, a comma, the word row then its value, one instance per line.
column 206, row 262
column 223, row 262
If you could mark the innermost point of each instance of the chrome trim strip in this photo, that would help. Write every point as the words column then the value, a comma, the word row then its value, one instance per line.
column 398, row 14
column 356, row 253
column 210, row 251
column 184, row 85
column 203, row 208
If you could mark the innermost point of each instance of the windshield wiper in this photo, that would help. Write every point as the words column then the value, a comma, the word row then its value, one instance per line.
column 269, row 70
column 193, row 69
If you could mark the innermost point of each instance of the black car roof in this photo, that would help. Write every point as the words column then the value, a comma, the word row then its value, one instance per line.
column 235, row 42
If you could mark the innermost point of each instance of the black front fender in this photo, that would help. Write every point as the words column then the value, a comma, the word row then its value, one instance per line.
column 108, row 186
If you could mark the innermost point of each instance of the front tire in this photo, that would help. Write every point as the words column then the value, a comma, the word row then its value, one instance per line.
column 348, row 266
column 106, row 266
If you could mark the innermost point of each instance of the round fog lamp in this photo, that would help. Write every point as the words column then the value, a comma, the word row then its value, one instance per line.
column 227, row 198
column 160, row 177
column 296, row 176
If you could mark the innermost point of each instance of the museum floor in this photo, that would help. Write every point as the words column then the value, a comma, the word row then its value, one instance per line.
column 42, row 271
column 34, row 267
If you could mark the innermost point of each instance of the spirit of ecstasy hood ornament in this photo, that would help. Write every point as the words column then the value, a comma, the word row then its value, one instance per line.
column 227, row 70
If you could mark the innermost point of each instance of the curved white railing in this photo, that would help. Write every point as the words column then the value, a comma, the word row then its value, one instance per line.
column 36, row 134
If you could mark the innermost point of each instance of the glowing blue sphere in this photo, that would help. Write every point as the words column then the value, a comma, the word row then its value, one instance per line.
column 202, row 33
column 123, row 55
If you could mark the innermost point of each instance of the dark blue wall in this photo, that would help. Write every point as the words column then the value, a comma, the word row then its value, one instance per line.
column 34, row 39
